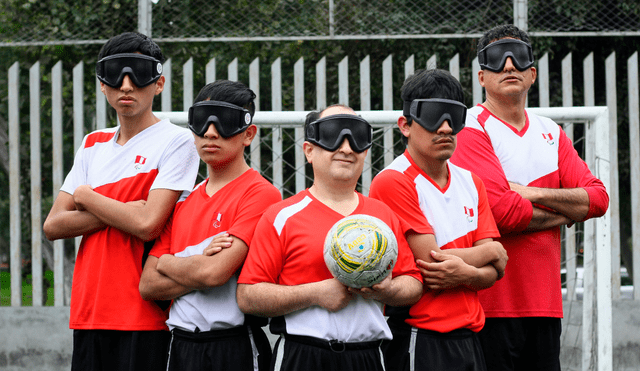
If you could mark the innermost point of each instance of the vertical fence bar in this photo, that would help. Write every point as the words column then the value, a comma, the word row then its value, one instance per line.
column 36, row 184
column 343, row 81
column 187, row 85
column 432, row 62
column 144, row 17
column 476, row 88
column 454, row 66
column 543, row 80
column 78, row 122
column 321, row 83
column 570, row 238
column 166, row 92
column 298, row 87
column 602, row 245
column 634, row 154
column 254, row 84
column 589, row 346
column 567, row 82
column 409, row 66
column 210, row 71
column 232, row 70
column 276, row 132
column 614, row 191
column 365, row 105
column 101, row 107
column 15, row 259
column 387, row 105
column 57, row 174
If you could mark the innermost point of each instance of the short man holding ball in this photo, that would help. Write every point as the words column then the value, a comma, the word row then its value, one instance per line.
column 433, row 196
column 322, row 323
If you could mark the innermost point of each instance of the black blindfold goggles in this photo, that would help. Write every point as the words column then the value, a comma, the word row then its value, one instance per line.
column 431, row 113
column 142, row 69
column 494, row 56
column 329, row 132
column 228, row 118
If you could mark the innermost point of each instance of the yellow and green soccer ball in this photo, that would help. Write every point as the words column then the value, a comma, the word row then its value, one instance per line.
column 360, row 250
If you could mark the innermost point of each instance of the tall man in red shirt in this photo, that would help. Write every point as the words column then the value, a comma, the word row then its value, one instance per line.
column 536, row 182
column 324, row 325
column 435, row 197
column 119, row 193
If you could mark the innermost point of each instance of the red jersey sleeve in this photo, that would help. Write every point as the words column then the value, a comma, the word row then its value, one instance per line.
column 474, row 152
column 398, row 192
column 574, row 173
column 253, row 205
column 487, row 227
column 266, row 254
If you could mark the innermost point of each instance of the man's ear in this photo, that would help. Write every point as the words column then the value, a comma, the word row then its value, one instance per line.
column 250, row 134
column 404, row 126
column 159, row 85
column 307, row 148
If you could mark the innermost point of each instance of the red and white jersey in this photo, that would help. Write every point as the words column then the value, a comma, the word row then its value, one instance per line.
column 109, row 263
column 235, row 209
column 540, row 155
column 287, row 249
column 459, row 214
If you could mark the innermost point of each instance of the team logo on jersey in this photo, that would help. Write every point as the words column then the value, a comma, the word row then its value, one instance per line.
column 549, row 139
column 216, row 222
column 469, row 213
column 140, row 160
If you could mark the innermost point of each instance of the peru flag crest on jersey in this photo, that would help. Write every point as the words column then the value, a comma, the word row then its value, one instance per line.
column 140, row 160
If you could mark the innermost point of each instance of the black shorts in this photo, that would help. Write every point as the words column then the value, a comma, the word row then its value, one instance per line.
column 418, row 349
column 242, row 348
column 531, row 343
column 110, row 350
column 294, row 353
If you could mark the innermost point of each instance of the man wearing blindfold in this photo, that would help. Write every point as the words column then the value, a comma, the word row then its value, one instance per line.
column 121, row 190
column 451, row 232
column 197, row 256
column 324, row 325
column 536, row 182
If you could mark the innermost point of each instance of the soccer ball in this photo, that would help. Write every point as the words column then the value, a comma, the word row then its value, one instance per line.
column 360, row 250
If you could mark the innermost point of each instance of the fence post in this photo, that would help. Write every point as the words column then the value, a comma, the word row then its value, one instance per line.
column 454, row 66
column 78, row 120
column 409, row 66
column 634, row 140
column 343, row 81
column 232, row 70
column 298, row 86
column 387, row 105
column 543, row 80
column 321, row 83
column 57, row 170
column 254, row 84
column 210, row 71
column 166, row 92
column 365, row 105
column 520, row 16
column 276, row 132
column 476, row 88
column 144, row 17
column 36, row 184
column 14, row 185
column 187, row 85
column 569, row 233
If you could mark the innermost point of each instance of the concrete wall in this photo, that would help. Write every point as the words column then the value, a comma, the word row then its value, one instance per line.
column 38, row 339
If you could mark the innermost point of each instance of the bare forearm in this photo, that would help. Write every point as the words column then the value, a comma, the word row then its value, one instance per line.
column 156, row 286
column 194, row 271
column 69, row 224
column 477, row 256
column 406, row 291
column 272, row 300
column 543, row 219
column 486, row 276
column 571, row 202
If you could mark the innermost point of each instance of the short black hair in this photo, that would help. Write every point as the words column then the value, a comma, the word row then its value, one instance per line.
column 131, row 42
column 427, row 84
column 233, row 92
column 501, row 32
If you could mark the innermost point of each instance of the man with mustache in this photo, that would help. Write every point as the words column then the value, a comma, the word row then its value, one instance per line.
column 536, row 182
column 434, row 197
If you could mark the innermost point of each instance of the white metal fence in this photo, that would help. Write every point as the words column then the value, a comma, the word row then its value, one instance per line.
column 277, row 155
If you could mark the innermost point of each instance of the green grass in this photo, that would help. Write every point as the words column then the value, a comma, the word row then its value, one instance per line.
column 27, row 290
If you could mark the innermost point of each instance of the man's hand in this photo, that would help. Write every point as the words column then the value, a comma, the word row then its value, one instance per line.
column 448, row 271
column 80, row 196
column 381, row 291
column 332, row 295
column 219, row 242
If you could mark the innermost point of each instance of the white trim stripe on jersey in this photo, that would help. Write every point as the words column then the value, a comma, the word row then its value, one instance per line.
column 288, row 212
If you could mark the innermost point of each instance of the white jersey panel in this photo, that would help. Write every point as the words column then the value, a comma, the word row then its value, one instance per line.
column 361, row 320
column 164, row 147
column 211, row 309
column 524, row 158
